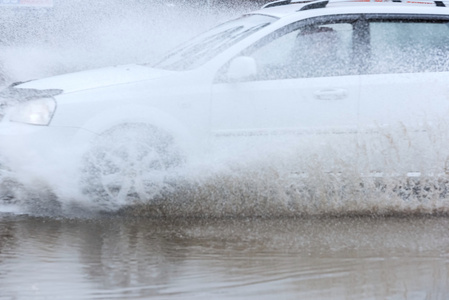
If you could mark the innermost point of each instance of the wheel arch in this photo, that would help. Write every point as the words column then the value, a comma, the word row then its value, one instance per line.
column 135, row 114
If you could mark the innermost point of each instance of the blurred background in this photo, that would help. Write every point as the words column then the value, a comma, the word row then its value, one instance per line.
column 49, row 37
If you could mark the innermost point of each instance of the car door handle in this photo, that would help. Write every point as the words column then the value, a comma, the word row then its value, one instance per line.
column 331, row 94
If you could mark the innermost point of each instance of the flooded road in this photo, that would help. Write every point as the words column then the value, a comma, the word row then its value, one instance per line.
column 311, row 233
column 139, row 258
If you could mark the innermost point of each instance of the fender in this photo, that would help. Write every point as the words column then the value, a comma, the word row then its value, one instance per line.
column 125, row 114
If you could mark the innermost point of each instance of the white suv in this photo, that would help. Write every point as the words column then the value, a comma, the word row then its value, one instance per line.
column 319, row 74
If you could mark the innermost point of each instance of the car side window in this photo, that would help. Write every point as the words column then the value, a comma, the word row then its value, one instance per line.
column 408, row 47
column 309, row 51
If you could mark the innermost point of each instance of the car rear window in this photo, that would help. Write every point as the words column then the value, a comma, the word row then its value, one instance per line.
column 404, row 46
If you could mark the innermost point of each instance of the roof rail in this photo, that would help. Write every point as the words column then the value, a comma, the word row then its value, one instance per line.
column 316, row 4
column 313, row 4
column 285, row 2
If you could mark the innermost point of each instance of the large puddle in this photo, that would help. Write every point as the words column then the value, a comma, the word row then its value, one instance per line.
column 312, row 258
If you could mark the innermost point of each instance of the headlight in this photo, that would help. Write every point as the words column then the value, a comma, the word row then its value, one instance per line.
column 35, row 112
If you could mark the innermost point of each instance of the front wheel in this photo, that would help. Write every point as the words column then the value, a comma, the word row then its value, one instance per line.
column 128, row 164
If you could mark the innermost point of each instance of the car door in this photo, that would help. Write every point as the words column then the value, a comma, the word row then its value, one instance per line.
column 404, row 100
column 306, row 89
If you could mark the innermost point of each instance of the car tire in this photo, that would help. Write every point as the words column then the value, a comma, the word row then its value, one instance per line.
column 128, row 164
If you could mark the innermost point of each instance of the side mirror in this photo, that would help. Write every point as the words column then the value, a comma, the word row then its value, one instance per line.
column 242, row 68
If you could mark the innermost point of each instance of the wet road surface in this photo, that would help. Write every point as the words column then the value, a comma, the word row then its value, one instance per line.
column 140, row 258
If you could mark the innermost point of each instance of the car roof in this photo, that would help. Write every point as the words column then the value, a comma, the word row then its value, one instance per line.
column 282, row 9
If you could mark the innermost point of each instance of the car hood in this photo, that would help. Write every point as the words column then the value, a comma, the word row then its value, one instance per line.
column 97, row 78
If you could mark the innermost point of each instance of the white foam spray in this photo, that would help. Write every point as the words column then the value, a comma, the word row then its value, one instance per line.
column 294, row 178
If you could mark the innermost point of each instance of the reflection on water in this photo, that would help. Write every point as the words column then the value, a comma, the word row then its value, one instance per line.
column 314, row 258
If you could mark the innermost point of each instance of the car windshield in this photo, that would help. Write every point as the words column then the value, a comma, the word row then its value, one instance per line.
column 207, row 45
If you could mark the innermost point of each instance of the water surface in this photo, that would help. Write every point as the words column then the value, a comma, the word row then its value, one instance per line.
column 283, row 258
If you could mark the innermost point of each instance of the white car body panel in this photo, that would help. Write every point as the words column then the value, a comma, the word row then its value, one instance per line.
column 91, row 79
column 404, row 122
column 423, row 98
column 303, row 105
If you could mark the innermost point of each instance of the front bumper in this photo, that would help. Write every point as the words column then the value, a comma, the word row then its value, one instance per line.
column 23, row 145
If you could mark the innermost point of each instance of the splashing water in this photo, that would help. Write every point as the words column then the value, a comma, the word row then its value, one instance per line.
column 291, row 177
column 301, row 180
column 81, row 34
